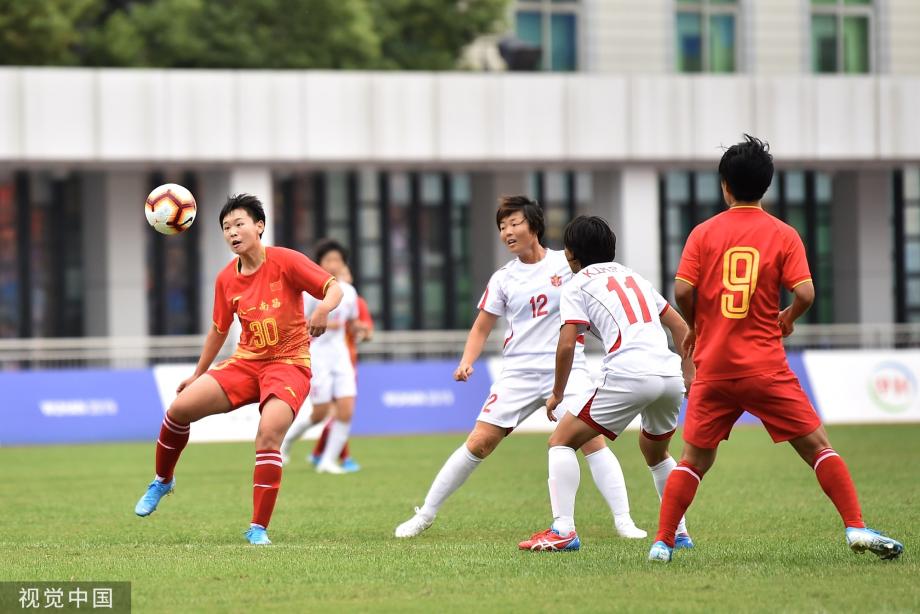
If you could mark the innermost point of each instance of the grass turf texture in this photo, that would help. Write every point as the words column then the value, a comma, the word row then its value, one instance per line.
column 767, row 538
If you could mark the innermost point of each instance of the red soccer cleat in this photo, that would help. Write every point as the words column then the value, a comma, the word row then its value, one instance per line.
column 551, row 541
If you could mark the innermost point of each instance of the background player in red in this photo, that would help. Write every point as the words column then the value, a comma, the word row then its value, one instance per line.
column 728, row 288
column 263, row 287
column 360, row 331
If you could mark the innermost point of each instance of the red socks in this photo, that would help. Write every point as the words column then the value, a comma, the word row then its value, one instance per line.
column 172, row 440
column 266, row 480
column 321, row 443
column 678, row 494
column 837, row 484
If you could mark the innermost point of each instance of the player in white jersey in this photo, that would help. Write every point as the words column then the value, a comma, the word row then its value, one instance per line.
column 640, row 375
column 526, row 293
column 334, row 386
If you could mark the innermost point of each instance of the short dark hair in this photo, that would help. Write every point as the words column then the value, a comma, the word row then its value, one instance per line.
column 251, row 204
column 590, row 240
column 324, row 246
column 533, row 213
column 747, row 169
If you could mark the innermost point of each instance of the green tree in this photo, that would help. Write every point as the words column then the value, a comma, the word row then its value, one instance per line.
column 43, row 32
column 430, row 34
column 226, row 34
column 334, row 34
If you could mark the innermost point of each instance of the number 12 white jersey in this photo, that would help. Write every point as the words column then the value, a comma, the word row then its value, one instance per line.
column 623, row 310
column 527, row 296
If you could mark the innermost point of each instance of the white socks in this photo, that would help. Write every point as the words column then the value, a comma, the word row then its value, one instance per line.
column 338, row 436
column 300, row 426
column 660, row 473
column 452, row 475
column 564, row 477
column 608, row 476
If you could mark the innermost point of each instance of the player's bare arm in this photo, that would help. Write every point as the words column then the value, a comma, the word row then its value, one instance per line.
column 212, row 344
column 331, row 300
column 803, row 297
column 679, row 330
column 685, row 297
column 475, row 341
column 565, row 355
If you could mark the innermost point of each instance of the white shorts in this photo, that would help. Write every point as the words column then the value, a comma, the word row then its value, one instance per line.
column 332, row 380
column 620, row 399
column 517, row 394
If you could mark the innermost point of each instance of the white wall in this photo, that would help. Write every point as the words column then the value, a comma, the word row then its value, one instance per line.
column 902, row 27
column 627, row 37
column 777, row 44
column 234, row 117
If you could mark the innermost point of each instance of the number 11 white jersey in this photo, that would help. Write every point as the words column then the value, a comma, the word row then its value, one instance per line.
column 527, row 296
column 623, row 310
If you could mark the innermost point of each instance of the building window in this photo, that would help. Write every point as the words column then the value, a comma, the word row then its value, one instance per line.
column 560, row 194
column 174, row 271
column 803, row 200
column 841, row 39
column 408, row 234
column 707, row 32
column 800, row 198
column 907, row 244
column 551, row 25
column 41, row 255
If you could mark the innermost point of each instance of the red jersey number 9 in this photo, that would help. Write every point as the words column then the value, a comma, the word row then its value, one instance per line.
column 739, row 277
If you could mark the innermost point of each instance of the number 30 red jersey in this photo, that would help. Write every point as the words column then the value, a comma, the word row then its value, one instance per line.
column 269, row 305
column 737, row 261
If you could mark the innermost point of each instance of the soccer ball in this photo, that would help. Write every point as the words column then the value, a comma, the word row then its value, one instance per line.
column 170, row 209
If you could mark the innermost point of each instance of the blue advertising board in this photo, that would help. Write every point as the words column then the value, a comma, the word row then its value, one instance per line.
column 77, row 406
column 418, row 397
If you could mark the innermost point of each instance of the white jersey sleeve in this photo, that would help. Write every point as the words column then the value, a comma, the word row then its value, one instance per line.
column 493, row 299
column 572, row 308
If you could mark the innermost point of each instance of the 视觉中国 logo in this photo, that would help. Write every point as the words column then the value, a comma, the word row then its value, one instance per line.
column 892, row 386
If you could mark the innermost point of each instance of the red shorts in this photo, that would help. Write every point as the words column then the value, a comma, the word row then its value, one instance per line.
column 247, row 381
column 776, row 399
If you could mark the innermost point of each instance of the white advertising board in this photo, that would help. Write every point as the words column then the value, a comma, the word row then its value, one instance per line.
column 864, row 386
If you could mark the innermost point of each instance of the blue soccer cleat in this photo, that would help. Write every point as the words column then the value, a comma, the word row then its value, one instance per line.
column 660, row 552
column 156, row 491
column 258, row 536
column 350, row 465
column 879, row 544
column 313, row 459
column 682, row 541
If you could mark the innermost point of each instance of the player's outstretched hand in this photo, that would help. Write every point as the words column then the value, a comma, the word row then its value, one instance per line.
column 785, row 322
column 318, row 322
column 186, row 383
column 463, row 372
column 551, row 404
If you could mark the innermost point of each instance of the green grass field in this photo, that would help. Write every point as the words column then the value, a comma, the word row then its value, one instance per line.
column 767, row 538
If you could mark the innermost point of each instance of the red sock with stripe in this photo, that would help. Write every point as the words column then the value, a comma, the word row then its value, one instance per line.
column 837, row 484
column 266, row 480
column 172, row 440
column 678, row 494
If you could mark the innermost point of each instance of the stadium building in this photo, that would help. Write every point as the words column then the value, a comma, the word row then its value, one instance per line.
column 625, row 117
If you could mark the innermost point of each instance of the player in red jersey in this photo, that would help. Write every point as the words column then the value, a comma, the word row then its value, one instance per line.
column 728, row 287
column 362, row 330
column 263, row 287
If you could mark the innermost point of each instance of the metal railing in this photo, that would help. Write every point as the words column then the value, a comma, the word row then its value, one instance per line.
column 139, row 352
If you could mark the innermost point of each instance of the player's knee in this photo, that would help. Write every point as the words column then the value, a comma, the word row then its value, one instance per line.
column 180, row 412
column 481, row 445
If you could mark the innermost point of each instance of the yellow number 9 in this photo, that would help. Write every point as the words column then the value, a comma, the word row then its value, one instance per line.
column 739, row 276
